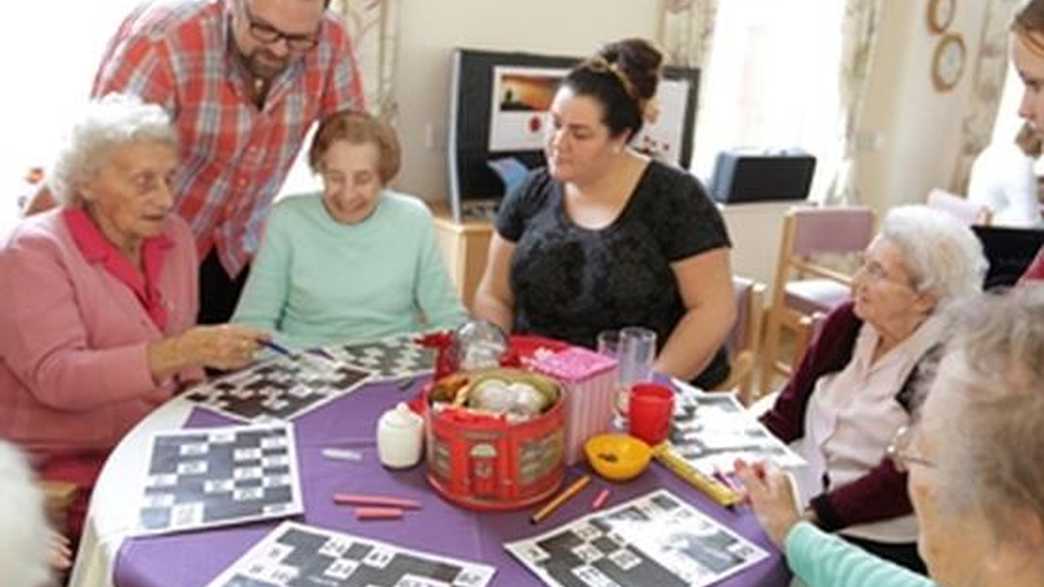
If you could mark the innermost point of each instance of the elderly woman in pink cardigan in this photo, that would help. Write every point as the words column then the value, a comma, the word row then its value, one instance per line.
column 100, row 298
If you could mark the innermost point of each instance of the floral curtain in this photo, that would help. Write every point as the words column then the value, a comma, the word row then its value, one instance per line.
column 687, row 30
column 374, row 28
column 988, row 71
column 860, row 24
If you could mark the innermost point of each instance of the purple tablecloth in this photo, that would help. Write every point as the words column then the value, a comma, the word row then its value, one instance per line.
column 194, row 558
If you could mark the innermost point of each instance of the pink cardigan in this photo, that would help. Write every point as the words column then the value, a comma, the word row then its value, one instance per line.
column 74, row 378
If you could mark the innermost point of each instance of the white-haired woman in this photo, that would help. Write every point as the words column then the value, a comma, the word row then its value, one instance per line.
column 100, row 298
column 974, row 459
column 24, row 536
column 851, row 392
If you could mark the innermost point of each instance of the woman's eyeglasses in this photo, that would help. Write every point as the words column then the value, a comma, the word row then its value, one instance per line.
column 877, row 273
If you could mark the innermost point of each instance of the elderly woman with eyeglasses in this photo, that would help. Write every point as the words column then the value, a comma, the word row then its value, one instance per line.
column 974, row 459
column 100, row 299
column 851, row 391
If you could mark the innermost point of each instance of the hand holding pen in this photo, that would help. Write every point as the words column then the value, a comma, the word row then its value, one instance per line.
column 225, row 347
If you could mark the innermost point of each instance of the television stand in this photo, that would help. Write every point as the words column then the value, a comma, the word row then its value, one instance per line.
column 485, row 210
column 464, row 247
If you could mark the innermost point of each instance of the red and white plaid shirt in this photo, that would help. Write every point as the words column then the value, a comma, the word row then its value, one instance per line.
column 233, row 157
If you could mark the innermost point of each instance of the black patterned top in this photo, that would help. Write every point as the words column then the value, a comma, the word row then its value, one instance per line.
column 570, row 283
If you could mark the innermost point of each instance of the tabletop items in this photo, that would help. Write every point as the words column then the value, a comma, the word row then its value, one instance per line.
column 400, row 437
column 590, row 381
column 567, row 494
column 656, row 539
column 279, row 389
column 711, row 430
column 498, row 438
column 488, row 460
column 295, row 554
column 219, row 476
column 392, row 358
column 708, row 432
column 617, row 457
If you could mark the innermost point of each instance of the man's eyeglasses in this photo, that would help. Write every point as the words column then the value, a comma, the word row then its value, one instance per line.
column 268, row 34
column 899, row 451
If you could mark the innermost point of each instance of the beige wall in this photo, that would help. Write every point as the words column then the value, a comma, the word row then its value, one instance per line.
column 919, row 127
column 432, row 28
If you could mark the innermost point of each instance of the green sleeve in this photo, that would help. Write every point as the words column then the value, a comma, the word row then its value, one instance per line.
column 434, row 293
column 265, row 295
column 824, row 560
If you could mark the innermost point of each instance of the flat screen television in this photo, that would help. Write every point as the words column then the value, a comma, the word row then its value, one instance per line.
column 498, row 115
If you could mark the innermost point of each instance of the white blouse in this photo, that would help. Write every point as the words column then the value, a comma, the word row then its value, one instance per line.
column 853, row 415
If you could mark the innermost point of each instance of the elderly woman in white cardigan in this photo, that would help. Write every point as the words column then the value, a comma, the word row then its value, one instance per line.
column 975, row 459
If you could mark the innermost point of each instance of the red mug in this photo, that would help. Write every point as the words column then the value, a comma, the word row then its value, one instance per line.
column 649, row 412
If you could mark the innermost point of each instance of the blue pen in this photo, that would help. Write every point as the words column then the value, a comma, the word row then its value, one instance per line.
column 322, row 353
column 282, row 350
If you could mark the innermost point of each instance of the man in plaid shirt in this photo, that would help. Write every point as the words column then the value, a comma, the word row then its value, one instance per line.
column 244, row 81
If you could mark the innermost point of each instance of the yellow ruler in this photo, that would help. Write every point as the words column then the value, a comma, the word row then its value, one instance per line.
column 710, row 487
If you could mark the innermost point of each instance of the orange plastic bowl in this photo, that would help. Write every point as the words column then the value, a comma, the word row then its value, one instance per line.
column 617, row 457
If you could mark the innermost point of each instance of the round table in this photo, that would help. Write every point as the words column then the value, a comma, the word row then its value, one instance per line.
column 109, row 557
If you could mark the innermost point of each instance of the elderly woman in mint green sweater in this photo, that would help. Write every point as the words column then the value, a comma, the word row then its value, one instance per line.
column 356, row 262
column 975, row 460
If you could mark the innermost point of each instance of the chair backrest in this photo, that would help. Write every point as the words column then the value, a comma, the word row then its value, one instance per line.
column 970, row 213
column 808, row 232
column 811, row 231
column 744, row 339
column 749, row 297
column 829, row 230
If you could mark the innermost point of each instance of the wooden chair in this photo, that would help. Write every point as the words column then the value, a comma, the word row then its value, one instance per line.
column 744, row 340
column 807, row 330
column 808, row 232
column 960, row 208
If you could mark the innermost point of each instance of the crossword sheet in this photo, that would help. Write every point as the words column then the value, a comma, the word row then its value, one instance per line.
column 295, row 555
column 653, row 540
column 280, row 389
column 219, row 476
column 388, row 359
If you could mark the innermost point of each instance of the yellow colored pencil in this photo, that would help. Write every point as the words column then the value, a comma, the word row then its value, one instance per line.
column 561, row 498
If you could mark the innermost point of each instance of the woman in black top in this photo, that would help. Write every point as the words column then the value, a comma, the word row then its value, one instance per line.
column 605, row 237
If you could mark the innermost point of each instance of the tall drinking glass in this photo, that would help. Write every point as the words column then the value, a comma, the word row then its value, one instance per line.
column 636, row 353
column 609, row 346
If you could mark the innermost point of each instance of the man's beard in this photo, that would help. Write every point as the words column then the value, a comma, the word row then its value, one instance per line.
column 264, row 64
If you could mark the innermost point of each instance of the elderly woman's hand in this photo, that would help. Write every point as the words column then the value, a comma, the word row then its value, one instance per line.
column 226, row 346
column 60, row 551
column 771, row 494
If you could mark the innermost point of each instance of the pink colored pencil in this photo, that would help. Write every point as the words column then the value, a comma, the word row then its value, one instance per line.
column 376, row 500
column 600, row 499
column 375, row 513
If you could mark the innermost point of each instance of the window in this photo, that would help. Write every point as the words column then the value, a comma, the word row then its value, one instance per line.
column 52, row 51
column 772, row 82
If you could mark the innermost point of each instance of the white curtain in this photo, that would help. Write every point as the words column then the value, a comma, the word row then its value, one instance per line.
column 984, row 119
column 771, row 81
